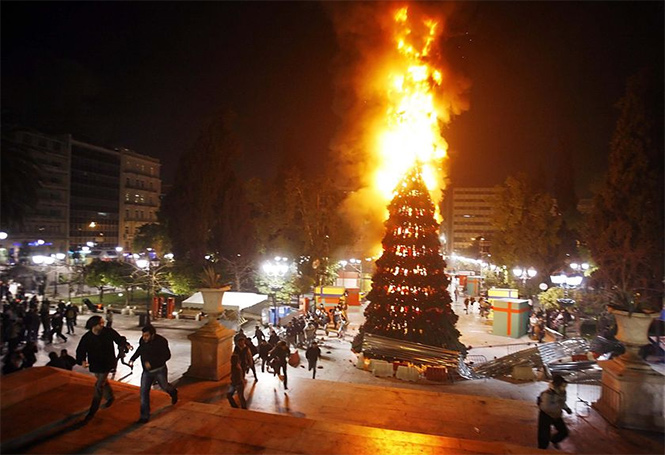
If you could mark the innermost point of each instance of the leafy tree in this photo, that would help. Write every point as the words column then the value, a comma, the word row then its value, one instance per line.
column 182, row 278
column 152, row 235
column 548, row 299
column 297, row 215
column 120, row 275
column 205, row 209
column 97, row 273
column 625, row 228
column 526, row 227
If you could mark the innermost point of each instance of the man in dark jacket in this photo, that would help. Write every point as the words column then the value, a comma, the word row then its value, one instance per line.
column 96, row 351
column 154, row 351
column 245, row 356
column 56, row 326
column 279, row 356
column 313, row 354
column 67, row 360
column 551, row 402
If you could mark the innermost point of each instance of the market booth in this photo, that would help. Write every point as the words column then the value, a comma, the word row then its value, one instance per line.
column 510, row 314
column 330, row 296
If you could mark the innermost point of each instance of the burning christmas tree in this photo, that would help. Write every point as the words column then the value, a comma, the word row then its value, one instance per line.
column 409, row 299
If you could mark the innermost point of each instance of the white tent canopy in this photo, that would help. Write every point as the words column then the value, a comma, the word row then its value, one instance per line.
column 231, row 300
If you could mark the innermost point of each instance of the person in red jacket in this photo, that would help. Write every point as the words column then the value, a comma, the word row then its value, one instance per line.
column 96, row 352
column 154, row 351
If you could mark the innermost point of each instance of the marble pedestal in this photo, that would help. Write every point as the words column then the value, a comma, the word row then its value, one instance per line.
column 632, row 395
column 212, row 345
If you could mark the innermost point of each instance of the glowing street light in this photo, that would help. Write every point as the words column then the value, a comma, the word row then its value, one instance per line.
column 524, row 274
column 275, row 272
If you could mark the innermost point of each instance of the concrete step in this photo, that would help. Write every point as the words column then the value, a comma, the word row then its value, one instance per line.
column 47, row 405
column 48, row 422
column 205, row 428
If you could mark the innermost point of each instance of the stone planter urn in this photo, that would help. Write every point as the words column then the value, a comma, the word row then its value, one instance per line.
column 633, row 332
column 212, row 343
column 212, row 302
column 632, row 392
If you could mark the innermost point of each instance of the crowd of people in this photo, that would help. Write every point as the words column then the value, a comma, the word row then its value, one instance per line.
column 483, row 305
column 274, row 349
column 22, row 319
column 101, row 347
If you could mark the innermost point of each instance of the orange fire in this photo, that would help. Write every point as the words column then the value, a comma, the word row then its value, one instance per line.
column 397, row 91
column 411, row 131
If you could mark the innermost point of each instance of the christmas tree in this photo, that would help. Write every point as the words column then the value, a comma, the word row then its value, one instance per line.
column 409, row 299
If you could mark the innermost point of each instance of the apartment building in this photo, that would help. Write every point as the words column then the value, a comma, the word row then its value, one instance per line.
column 90, row 196
column 95, row 196
column 46, row 224
column 140, row 190
column 467, row 217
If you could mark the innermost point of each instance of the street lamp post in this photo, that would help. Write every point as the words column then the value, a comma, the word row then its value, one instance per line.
column 524, row 274
column 566, row 282
column 275, row 272
column 145, row 266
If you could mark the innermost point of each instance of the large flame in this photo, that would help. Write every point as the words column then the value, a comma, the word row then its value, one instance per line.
column 394, row 91
column 411, row 127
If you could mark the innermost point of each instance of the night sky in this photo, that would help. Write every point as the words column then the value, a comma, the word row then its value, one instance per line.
column 145, row 75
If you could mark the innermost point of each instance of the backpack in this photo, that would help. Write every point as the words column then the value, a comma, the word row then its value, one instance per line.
column 540, row 397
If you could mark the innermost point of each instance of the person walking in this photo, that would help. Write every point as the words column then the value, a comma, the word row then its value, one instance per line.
column 274, row 338
column 259, row 335
column 264, row 351
column 310, row 333
column 56, row 326
column 279, row 356
column 45, row 317
column 245, row 356
column 109, row 318
column 313, row 354
column 95, row 351
column 31, row 324
column 291, row 333
column 154, row 352
column 551, row 403
column 237, row 383
column 70, row 314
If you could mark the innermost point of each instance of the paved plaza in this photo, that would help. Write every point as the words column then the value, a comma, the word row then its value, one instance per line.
column 349, row 409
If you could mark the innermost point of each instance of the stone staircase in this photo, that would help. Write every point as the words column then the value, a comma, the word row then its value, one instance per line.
column 42, row 408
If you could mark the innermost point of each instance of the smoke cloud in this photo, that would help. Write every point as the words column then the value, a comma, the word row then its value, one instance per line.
column 367, row 52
